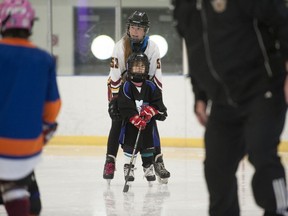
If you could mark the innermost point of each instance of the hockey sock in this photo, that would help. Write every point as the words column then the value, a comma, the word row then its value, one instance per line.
column 157, row 150
column 18, row 207
column 128, row 156
column 147, row 156
column 147, row 161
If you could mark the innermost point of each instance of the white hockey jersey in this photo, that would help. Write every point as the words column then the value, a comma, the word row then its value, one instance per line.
column 118, row 67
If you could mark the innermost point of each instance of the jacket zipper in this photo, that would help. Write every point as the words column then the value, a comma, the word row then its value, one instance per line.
column 263, row 49
column 199, row 6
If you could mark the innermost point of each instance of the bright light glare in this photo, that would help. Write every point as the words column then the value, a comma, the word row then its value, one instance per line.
column 102, row 47
column 161, row 42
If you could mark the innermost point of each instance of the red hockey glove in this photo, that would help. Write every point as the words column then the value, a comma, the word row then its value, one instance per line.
column 138, row 122
column 48, row 131
column 148, row 112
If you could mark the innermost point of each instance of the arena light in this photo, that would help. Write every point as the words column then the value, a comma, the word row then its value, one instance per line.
column 102, row 47
column 161, row 42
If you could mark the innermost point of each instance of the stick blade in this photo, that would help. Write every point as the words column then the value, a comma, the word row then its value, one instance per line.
column 126, row 188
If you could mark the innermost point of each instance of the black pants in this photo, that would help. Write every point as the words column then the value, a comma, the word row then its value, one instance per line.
column 113, row 139
column 253, row 129
column 145, row 141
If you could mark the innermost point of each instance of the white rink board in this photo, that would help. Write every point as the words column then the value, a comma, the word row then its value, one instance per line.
column 84, row 108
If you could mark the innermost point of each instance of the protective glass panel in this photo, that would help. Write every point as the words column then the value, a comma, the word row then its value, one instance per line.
column 81, row 33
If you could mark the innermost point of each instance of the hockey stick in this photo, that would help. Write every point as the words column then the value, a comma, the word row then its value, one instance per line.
column 126, row 186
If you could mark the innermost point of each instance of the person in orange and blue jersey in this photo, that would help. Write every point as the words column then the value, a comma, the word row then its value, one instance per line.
column 29, row 104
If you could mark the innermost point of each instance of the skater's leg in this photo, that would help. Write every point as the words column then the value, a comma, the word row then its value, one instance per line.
column 112, row 149
column 224, row 149
column 35, row 201
column 147, row 163
column 159, row 166
column 263, row 132
column 156, row 140
column 16, row 196
column 128, row 155
column 109, row 167
column 113, row 138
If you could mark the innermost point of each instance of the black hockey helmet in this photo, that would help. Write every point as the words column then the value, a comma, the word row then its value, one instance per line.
column 137, row 67
column 139, row 19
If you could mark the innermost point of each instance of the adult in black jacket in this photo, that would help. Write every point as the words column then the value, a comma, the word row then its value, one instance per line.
column 237, row 52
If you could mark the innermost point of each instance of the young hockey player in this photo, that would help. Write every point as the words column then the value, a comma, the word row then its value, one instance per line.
column 29, row 105
column 135, row 40
column 140, row 104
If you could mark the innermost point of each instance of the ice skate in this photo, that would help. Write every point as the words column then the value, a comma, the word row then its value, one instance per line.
column 160, row 170
column 131, row 173
column 109, row 168
column 149, row 174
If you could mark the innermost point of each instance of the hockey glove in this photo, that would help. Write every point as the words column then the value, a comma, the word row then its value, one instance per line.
column 114, row 110
column 161, row 116
column 138, row 122
column 48, row 131
column 148, row 112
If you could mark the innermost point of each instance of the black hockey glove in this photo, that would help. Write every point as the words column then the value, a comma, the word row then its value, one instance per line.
column 161, row 116
column 48, row 131
column 113, row 110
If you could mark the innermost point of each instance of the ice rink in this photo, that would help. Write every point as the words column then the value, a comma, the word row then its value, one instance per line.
column 71, row 184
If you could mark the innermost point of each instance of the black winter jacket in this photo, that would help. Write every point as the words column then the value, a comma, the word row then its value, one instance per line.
column 236, row 48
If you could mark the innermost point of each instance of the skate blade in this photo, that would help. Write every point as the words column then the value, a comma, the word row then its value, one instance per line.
column 108, row 182
column 162, row 180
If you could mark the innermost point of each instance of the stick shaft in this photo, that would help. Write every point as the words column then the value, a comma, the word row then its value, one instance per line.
column 132, row 158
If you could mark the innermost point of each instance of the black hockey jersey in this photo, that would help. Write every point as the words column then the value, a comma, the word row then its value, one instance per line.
column 131, row 98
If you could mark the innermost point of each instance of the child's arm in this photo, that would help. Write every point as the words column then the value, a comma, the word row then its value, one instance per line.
column 156, row 107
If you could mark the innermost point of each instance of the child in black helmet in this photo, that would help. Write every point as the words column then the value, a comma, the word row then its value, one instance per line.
column 140, row 104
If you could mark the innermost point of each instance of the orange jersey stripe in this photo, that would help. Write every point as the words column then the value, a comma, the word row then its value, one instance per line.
column 17, row 42
column 51, row 110
column 20, row 147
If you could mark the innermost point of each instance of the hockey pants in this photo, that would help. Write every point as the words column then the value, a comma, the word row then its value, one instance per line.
column 114, row 134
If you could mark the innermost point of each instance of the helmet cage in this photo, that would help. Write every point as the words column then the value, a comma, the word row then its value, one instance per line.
column 137, row 61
